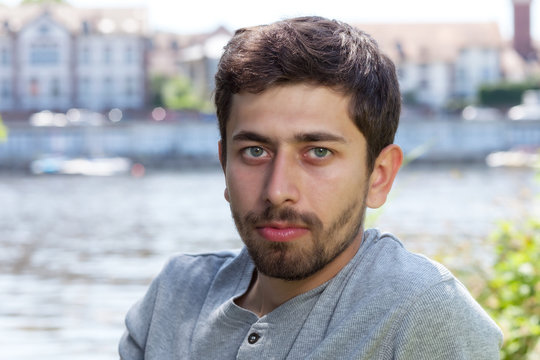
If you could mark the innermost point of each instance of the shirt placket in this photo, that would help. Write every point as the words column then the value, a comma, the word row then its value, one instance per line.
column 254, row 342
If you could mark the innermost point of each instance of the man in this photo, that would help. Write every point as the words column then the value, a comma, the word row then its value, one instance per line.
column 307, row 111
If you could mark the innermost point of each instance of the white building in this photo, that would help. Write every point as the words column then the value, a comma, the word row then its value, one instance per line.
column 438, row 63
column 57, row 57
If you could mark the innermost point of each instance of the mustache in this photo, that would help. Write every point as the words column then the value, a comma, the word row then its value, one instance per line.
column 288, row 215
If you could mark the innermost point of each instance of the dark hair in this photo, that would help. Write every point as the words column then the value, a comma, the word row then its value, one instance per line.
column 318, row 51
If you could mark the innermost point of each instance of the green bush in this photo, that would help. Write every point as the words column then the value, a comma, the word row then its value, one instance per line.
column 176, row 93
column 3, row 131
column 512, row 293
column 504, row 94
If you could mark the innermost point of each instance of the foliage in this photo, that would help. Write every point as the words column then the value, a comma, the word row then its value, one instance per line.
column 157, row 83
column 505, row 94
column 3, row 131
column 456, row 105
column 175, row 93
column 512, row 294
column 178, row 94
column 410, row 98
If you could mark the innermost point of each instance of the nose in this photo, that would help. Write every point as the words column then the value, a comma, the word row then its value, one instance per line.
column 282, row 182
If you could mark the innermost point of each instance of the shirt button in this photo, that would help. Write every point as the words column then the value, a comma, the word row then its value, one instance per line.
column 253, row 338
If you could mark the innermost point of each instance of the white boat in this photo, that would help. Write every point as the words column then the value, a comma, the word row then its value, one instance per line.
column 81, row 166
column 515, row 158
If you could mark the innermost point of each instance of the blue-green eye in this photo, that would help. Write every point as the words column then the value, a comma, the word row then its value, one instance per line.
column 320, row 152
column 255, row 151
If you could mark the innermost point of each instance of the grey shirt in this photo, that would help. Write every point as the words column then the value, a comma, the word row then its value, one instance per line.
column 386, row 303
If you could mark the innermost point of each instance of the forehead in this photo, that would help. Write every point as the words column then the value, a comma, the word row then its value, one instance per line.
column 294, row 108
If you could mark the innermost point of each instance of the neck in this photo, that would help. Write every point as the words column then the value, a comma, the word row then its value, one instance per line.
column 266, row 293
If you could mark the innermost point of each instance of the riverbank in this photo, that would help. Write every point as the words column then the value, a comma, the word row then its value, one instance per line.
column 193, row 142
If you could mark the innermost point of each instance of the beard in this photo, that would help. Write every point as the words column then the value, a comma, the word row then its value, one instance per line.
column 299, row 259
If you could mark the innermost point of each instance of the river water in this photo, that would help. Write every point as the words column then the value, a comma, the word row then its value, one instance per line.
column 76, row 252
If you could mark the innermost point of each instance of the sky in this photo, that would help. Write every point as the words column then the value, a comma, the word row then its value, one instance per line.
column 205, row 15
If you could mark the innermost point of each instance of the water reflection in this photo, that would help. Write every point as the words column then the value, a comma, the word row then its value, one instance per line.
column 76, row 252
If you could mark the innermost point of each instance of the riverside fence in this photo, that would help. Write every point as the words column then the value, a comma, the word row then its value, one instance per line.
column 155, row 143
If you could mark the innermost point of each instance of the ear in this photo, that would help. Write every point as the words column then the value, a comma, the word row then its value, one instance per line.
column 222, row 162
column 384, row 172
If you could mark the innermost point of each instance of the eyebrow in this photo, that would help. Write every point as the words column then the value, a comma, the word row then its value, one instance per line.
column 251, row 136
column 318, row 136
column 298, row 138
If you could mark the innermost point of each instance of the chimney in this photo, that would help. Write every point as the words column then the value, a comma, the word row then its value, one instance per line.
column 522, row 29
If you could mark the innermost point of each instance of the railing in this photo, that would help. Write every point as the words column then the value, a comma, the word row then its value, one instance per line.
column 442, row 140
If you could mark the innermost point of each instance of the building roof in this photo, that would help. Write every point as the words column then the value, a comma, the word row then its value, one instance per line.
column 78, row 20
column 432, row 42
column 167, row 41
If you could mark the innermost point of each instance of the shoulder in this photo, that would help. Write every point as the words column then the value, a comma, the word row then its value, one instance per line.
column 178, row 292
column 432, row 311
column 413, row 285
column 447, row 321
column 386, row 260
column 197, row 263
column 197, row 270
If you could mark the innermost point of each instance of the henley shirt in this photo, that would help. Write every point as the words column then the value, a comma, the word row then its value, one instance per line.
column 386, row 303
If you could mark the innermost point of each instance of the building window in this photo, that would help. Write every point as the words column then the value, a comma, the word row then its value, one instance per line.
column 107, row 95
column 130, row 55
column 43, row 29
column 85, row 27
column 5, row 91
column 461, row 75
column 424, row 77
column 4, row 56
column 55, row 87
column 486, row 74
column 34, row 87
column 85, row 55
column 44, row 54
column 84, row 87
column 108, row 88
column 130, row 89
column 107, row 55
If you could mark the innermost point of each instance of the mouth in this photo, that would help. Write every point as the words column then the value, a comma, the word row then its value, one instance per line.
column 281, row 232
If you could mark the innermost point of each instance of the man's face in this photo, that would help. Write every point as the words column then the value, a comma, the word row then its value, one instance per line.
column 296, row 177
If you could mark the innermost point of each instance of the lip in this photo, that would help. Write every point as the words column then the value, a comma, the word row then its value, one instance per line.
column 281, row 232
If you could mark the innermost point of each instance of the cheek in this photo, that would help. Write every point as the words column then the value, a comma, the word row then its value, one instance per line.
column 331, row 197
column 340, row 180
column 243, row 187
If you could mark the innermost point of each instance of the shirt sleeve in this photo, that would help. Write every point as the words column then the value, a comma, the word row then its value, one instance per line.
column 446, row 323
column 174, row 297
column 133, row 342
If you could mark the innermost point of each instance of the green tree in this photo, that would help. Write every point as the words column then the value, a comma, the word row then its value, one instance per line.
column 157, row 82
column 177, row 94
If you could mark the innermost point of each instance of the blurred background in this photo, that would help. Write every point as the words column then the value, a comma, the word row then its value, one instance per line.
column 108, row 154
